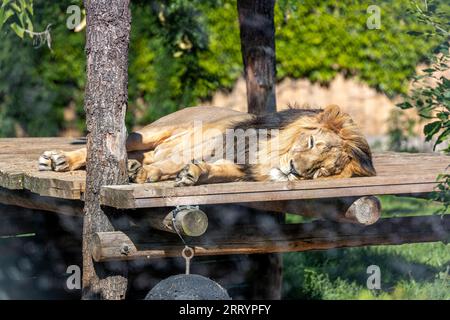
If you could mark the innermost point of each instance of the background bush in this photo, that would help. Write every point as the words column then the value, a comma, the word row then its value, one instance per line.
column 183, row 51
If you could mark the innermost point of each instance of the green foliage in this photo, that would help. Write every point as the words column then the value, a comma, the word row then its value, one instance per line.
column 410, row 271
column 400, row 128
column 165, row 64
column 183, row 51
column 341, row 274
column 319, row 39
column 431, row 93
column 36, row 85
column 22, row 10
column 394, row 206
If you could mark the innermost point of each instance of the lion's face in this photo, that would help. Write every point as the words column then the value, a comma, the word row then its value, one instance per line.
column 315, row 153
column 325, row 145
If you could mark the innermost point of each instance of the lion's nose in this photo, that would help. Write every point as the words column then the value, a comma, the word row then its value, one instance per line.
column 293, row 170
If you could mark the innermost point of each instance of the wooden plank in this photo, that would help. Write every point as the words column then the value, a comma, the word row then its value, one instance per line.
column 166, row 189
column 27, row 199
column 46, row 184
column 19, row 169
column 319, row 235
column 125, row 199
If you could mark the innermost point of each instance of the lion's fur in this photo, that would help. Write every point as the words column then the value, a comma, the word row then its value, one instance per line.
column 347, row 155
column 292, row 122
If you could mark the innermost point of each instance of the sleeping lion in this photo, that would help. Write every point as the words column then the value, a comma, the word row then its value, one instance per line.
column 201, row 145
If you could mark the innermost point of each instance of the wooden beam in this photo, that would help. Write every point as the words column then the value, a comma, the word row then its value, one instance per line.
column 318, row 235
column 364, row 210
column 188, row 221
column 30, row 200
column 339, row 209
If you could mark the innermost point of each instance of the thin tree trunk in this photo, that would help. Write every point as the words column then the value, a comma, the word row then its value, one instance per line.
column 257, row 30
column 107, row 40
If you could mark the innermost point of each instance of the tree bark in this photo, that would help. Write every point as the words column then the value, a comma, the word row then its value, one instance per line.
column 107, row 40
column 257, row 30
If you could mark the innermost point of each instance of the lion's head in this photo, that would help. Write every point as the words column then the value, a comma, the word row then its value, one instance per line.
column 323, row 145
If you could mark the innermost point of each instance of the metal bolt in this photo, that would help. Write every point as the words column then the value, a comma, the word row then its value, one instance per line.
column 125, row 249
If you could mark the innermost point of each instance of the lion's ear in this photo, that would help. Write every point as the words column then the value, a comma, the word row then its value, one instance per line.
column 332, row 110
column 333, row 118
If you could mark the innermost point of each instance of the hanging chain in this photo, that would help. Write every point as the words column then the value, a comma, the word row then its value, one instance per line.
column 188, row 252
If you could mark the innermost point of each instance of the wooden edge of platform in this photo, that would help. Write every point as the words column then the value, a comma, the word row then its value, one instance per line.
column 123, row 197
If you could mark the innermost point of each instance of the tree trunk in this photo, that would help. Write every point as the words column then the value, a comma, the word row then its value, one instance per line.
column 107, row 39
column 257, row 29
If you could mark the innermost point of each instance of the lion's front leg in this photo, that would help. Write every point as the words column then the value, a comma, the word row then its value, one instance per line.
column 62, row 161
column 204, row 173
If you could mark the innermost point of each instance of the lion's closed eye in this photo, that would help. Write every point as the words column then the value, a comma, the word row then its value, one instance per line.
column 311, row 142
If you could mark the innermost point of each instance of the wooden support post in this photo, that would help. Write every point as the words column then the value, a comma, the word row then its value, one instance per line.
column 257, row 30
column 364, row 210
column 107, row 40
column 189, row 222
column 317, row 235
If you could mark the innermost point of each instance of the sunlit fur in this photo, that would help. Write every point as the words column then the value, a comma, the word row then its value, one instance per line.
column 340, row 151
column 302, row 144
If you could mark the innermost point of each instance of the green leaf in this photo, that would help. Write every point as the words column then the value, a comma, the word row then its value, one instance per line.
column 5, row 3
column 7, row 15
column 30, row 7
column 16, row 7
column 27, row 5
column 29, row 25
column 431, row 129
column 18, row 30
column 442, row 137
column 404, row 105
column 415, row 33
column 443, row 116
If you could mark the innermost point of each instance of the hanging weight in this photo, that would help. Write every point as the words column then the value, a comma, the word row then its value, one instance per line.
column 187, row 287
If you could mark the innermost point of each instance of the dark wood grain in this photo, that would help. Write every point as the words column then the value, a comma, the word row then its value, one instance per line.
column 318, row 235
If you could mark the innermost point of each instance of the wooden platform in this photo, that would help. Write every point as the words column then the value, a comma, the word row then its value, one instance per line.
column 21, row 184
column 398, row 173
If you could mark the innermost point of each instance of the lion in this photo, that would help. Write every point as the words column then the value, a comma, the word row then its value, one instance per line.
column 202, row 145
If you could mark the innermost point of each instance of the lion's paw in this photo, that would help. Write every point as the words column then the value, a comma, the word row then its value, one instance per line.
column 133, row 168
column 188, row 176
column 146, row 173
column 53, row 161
